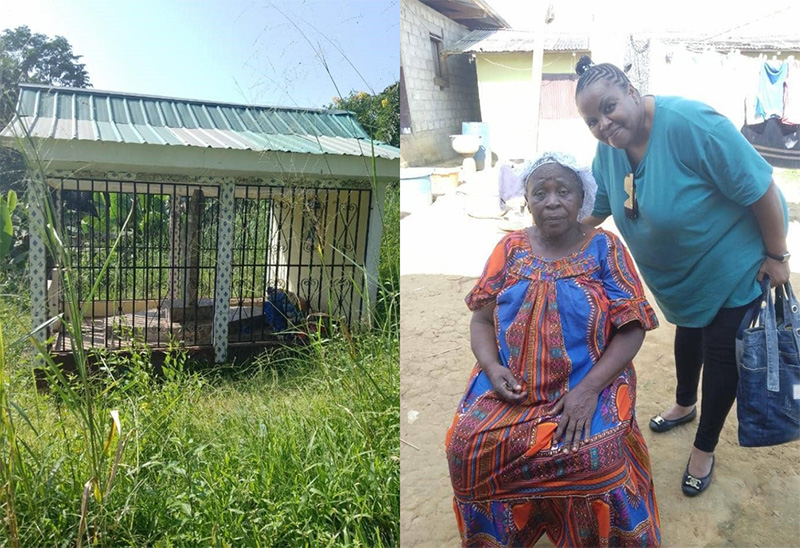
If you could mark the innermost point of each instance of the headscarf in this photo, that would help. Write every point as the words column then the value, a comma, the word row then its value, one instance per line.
column 522, row 172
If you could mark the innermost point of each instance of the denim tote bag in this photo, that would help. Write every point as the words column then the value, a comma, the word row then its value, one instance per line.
column 768, row 360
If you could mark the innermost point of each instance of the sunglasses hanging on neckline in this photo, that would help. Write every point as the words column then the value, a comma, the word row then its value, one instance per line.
column 631, row 204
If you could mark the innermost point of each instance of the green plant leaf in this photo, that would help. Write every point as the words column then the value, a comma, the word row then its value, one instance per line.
column 6, row 229
column 12, row 201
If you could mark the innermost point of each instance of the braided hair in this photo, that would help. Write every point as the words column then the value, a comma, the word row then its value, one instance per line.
column 591, row 73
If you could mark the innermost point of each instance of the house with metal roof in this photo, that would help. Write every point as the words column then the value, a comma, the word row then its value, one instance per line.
column 718, row 65
column 437, row 93
column 503, row 59
column 235, row 223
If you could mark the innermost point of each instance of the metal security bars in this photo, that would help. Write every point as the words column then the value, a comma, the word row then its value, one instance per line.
column 159, row 284
column 298, row 254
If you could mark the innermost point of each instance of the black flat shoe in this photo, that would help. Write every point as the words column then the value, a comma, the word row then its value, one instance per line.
column 692, row 486
column 660, row 424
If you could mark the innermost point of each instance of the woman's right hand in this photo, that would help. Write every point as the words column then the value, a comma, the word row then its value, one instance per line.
column 505, row 384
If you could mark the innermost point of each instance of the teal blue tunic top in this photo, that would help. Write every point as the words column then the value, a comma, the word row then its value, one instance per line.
column 696, row 241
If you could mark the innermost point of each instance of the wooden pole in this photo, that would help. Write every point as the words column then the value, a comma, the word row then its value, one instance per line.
column 174, row 247
column 193, row 248
column 542, row 16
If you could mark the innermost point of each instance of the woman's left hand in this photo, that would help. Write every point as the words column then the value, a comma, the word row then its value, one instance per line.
column 577, row 409
column 777, row 271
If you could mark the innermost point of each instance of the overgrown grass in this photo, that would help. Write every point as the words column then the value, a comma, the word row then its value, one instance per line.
column 298, row 448
column 388, row 305
column 301, row 450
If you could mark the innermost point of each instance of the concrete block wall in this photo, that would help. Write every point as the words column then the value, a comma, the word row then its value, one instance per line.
column 436, row 112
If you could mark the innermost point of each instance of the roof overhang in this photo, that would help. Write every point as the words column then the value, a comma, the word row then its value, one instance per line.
column 77, row 156
column 79, row 130
column 770, row 44
column 473, row 14
column 515, row 41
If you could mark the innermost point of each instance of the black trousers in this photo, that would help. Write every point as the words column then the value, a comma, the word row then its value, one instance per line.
column 712, row 350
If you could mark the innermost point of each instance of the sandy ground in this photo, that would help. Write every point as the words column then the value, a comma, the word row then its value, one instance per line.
column 755, row 497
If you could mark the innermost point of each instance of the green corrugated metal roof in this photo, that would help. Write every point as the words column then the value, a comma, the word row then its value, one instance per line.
column 88, row 114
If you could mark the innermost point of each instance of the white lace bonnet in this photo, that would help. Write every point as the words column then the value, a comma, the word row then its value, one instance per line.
column 584, row 173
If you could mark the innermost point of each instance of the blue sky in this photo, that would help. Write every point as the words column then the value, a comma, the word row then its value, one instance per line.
column 243, row 51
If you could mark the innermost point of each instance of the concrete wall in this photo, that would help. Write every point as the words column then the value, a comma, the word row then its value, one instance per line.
column 436, row 111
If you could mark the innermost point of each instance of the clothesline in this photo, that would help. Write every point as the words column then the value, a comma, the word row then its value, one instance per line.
column 765, row 57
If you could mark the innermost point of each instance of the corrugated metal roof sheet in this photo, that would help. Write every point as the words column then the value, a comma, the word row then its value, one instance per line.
column 770, row 30
column 472, row 14
column 509, row 40
column 744, row 43
column 88, row 114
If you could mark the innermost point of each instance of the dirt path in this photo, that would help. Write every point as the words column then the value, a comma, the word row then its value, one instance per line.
column 755, row 498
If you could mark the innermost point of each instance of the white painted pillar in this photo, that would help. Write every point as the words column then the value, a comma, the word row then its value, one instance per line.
column 373, row 259
column 37, row 260
column 222, row 285
column 537, row 62
column 543, row 15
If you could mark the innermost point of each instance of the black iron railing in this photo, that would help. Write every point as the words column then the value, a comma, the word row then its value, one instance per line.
column 297, row 252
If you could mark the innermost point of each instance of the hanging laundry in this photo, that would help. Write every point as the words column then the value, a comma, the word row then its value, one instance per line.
column 791, row 94
column 750, row 87
column 770, row 90
column 778, row 144
column 751, row 115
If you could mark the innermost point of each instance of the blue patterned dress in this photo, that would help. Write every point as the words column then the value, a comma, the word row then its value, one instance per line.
column 554, row 319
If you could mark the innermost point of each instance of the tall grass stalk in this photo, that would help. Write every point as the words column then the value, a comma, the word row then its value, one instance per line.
column 79, row 396
column 9, row 451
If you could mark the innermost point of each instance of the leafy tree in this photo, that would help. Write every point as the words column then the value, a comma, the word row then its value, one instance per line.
column 26, row 57
column 379, row 114
column 31, row 58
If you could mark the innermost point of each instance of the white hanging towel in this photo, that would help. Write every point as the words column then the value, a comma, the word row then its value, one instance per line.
column 791, row 94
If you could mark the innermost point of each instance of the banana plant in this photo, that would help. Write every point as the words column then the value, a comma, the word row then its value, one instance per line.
column 7, row 206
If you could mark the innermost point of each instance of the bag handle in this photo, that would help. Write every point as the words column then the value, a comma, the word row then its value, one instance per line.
column 766, row 317
column 750, row 316
column 791, row 309
column 771, row 336
column 754, row 312
column 782, row 308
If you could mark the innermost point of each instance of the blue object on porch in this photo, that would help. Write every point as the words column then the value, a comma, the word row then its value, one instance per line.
column 483, row 158
column 415, row 188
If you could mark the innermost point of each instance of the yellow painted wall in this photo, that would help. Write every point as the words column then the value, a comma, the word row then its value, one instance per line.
column 505, row 88
column 515, row 67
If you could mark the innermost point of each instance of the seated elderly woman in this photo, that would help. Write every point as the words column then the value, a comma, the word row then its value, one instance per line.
column 545, row 438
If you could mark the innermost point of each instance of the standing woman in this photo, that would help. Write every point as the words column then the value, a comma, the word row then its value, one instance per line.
column 704, row 221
